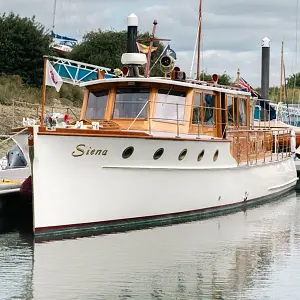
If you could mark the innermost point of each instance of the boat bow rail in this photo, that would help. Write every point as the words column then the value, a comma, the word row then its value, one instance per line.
column 75, row 72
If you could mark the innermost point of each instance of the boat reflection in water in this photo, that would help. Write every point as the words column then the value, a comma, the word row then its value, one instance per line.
column 16, row 263
column 229, row 257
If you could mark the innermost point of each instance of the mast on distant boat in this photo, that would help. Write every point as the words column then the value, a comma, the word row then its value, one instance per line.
column 281, row 69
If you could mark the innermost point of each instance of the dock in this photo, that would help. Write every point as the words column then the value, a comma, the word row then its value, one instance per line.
column 9, row 186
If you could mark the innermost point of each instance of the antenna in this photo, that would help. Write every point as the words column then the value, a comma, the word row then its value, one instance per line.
column 54, row 12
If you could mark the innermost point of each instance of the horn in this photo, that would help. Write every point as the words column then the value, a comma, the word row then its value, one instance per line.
column 167, row 64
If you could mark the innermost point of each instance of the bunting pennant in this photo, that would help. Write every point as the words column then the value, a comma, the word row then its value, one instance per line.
column 145, row 49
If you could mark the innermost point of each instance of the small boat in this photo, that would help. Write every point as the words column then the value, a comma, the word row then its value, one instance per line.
column 61, row 44
column 15, row 166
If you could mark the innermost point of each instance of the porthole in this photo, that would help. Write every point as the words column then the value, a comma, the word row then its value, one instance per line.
column 182, row 154
column 127, row 152
column 158, row 153
column 216, row 155
column 201, row 154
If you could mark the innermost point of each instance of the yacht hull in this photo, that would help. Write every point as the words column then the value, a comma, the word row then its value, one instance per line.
column 83, row 184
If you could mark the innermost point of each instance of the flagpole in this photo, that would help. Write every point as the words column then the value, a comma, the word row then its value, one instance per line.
column 45, row 58
column 146, row 74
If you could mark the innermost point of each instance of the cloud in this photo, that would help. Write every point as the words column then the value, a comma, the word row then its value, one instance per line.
column 231, row 34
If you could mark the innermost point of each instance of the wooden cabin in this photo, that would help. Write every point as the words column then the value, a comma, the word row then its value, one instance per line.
column 179, row 108
column 168, row 105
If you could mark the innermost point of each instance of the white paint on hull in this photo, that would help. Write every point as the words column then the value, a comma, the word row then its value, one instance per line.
column 75, row 190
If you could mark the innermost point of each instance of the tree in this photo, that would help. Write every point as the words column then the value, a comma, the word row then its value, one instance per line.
column 223, row 79
column 23, row 42
column 105, row 48
column 293, row 81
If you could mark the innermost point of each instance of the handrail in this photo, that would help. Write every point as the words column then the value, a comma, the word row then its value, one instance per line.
column 31, row 110
column 259, row 146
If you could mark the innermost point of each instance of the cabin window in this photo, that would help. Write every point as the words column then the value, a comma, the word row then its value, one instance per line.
column 230, row 110
column 196, row 109
column 131, row 102
column 167, row 104
column 209, row 105
column 242, row 112
column 96, row 105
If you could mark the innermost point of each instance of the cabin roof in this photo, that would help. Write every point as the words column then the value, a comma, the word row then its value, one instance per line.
column 166, row 81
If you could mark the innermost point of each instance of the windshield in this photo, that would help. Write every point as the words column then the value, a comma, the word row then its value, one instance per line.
column 131, row 103
column 96, row 105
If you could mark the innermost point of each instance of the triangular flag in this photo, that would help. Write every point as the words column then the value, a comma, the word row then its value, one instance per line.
column 145, row 49
column 52, row 77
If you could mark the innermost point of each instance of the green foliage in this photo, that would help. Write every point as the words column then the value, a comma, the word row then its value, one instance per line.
column 293, row 81
column 12, row 88
column 102, row 48
column 73, row 94
column 105, row 48
column 23, row 42
column 223, row 79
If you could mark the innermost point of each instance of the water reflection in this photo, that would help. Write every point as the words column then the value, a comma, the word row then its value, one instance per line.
column 16, row 264
column 247, row 255
column 242, row 256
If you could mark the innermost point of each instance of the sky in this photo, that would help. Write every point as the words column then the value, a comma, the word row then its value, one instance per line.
column 232, row 30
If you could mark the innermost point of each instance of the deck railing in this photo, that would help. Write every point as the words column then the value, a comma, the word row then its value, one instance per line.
column 203, row 120
column 249, row 146
column 12, row 116
column 252, row 146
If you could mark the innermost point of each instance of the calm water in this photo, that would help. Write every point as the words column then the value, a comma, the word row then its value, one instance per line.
column 247, row 255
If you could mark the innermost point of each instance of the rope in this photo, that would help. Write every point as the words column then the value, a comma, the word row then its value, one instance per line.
column 194, row 54
column 138, row 115
column 12, row 136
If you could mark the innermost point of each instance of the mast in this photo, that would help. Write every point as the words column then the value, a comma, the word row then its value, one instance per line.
column 199, row 40
column 54, row 12
column 281, row 69
column 146, row 74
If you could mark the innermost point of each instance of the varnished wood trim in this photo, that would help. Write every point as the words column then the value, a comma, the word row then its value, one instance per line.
column 249, row 116
column 117, row 134
column 188, row 110
column 151, row 108
column 75, row 131
column 110, row 104
column 218, row 117
column 84, row 104
column 30, row 136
